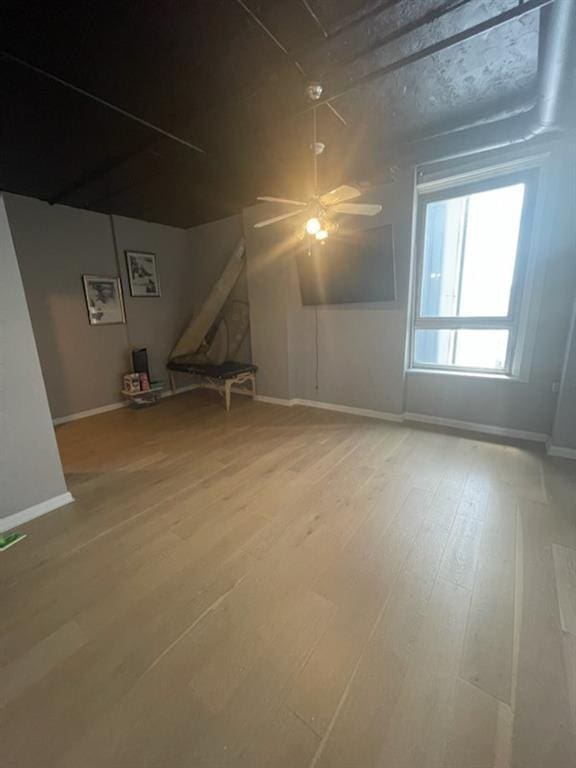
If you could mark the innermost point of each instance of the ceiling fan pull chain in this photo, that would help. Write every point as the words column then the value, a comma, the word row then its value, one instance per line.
column 319, row 224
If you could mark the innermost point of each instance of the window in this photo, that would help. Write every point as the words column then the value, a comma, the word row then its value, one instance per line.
column 472, row 253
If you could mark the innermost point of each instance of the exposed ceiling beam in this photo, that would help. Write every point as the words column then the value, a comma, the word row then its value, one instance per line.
column 529, row 6
column 315, row 17
column 112, row 163
column 429, row 17
column 363, row 17
column 95, row 173
column 257, row 20
column 7, row 56
column 546, row 118
column 147, row 180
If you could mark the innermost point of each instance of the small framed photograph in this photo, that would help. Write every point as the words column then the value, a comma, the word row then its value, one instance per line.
column 104, row 299
column 142, row 273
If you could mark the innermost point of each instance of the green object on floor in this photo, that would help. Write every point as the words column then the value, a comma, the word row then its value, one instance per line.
column 9, row 539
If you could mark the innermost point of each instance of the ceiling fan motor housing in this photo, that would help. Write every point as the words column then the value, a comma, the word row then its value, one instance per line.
column 314, row 91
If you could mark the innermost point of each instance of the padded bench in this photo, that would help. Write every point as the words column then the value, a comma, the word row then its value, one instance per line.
column 219, row 377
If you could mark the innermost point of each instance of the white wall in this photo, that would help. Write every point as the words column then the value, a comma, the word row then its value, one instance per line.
column 30, row 469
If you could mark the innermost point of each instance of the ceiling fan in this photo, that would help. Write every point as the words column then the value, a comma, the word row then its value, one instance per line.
column 320, row 209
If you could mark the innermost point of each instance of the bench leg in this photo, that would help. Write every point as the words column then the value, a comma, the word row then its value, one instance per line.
column 172, row 382
column 253, row 382
column 227, row 387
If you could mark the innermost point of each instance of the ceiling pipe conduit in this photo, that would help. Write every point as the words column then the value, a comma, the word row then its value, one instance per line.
column 516, row 12
column 545, row 117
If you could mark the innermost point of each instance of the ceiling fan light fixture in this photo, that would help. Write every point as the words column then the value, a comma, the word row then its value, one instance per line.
column 313, row 225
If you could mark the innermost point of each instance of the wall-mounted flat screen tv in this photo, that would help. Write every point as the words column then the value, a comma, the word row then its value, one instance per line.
column 351, row 267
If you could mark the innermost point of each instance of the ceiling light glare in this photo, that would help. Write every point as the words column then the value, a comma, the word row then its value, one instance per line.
column 313, row 226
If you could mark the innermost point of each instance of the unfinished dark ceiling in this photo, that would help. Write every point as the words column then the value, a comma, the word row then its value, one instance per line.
column 228, row 77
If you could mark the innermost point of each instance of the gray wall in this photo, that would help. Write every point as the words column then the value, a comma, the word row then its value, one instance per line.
column 155, row 323
column 530, row 404
column 362, row 348
column 564, row 430
column 56, row 245
column 30, row 469
column 210, row 246
column 269, row 273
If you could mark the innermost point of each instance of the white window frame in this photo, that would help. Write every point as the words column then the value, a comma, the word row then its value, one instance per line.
column 515, row 320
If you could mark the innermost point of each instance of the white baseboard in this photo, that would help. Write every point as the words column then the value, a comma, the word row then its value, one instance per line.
column 382, row 415
column 234, row 390
column 472, row 426
column 559, row 451
column 396, row 417
column 241, row 391
column 86, row 414
column 468, row 426
column 274, row 400
column 178, row 390
column 115, row 406
column 19, row 518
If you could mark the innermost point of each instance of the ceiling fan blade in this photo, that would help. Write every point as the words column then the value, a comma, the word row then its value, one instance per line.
column 358, row 209
column 340, row 194
column 274, row 219
column 267, row 199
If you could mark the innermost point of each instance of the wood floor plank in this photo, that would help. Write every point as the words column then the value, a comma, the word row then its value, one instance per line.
column 31, row 667
column 316, row 691
column 472, row 740
column 291, row 587
column 290, row 637
column 569, row 646
column 397, row 710
column 363, row 712
column 542, row 727
column 461, row 552
column 103, row 671
column 565, row 571
column 282, row 741
column 417, row 729
column 488, row 648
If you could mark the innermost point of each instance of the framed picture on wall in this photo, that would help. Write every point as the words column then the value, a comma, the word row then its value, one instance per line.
column 104, row 299
column 142, row 273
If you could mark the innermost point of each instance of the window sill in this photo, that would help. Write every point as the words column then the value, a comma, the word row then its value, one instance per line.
column 465, row 374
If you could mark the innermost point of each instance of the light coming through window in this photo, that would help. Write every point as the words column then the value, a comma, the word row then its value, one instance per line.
column 470, row 273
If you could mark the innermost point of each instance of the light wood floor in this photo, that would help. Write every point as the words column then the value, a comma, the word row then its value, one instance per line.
column 291, row 588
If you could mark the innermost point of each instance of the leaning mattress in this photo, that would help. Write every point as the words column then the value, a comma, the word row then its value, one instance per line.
column 226, row 370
